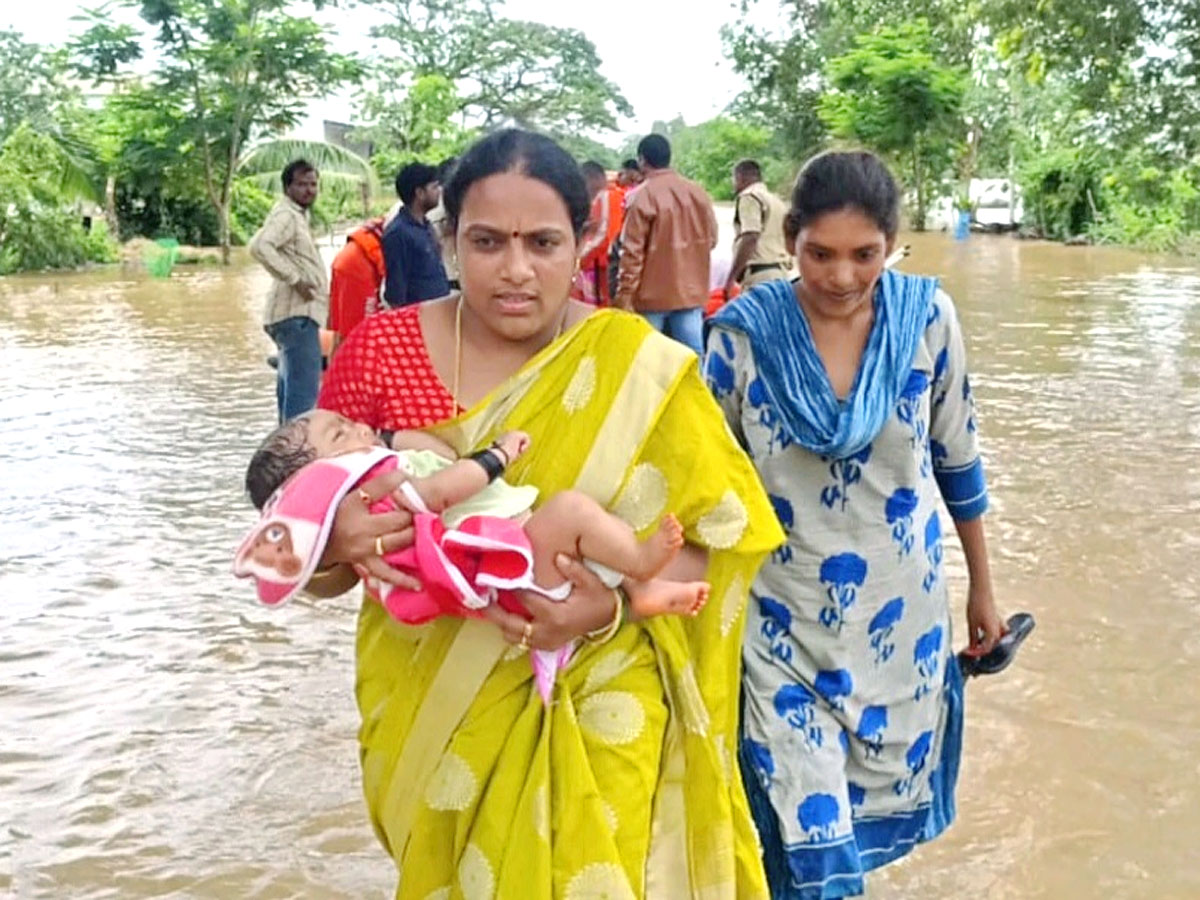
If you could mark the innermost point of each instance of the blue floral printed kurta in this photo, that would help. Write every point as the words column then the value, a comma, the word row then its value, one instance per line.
column 852, row 715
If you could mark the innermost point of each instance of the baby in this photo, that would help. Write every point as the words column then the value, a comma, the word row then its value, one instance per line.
column 477, row 538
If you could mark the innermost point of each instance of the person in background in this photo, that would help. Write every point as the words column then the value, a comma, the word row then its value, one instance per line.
column 670, row 230
column 358, row 273
column 437, row 218
column 299, row 298
column 604, row 224
column 412, row 251
column 629, row 176
column 719, row 291
column 629, row 179
column 759, row 250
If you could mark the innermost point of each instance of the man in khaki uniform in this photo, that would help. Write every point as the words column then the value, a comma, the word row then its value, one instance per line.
column 759, row 250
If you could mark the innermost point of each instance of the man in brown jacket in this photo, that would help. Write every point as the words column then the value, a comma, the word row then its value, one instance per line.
column 670, row 230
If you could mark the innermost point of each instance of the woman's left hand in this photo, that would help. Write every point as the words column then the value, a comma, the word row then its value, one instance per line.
column 984, row 625
column 553, row 623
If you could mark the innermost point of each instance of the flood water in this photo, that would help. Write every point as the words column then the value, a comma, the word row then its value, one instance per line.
column 162, row 735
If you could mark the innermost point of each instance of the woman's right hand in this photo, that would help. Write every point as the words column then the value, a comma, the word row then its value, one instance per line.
column 358, row 534
column 589, row 607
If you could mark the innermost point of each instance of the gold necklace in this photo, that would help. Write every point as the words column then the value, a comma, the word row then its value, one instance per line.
column 458, row 346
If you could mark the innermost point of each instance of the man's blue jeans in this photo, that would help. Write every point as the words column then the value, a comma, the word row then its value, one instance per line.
column 298, row 377
column 684, row 325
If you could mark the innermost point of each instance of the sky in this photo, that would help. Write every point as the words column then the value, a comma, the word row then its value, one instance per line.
column 666, row 61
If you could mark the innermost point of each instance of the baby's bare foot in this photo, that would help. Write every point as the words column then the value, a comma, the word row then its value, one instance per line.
column 657, row 550
column 668, row 598
column 703, row 590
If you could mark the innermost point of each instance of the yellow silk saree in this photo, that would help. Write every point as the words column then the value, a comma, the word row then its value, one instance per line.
column 626, row 786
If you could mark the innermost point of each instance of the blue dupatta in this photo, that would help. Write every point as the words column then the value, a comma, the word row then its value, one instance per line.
column 794, row 376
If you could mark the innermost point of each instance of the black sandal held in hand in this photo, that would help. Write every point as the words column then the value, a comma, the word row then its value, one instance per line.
column 1005, row 651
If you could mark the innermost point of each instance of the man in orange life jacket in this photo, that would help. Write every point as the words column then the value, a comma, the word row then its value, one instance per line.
column 604, row 224
column 358, row 272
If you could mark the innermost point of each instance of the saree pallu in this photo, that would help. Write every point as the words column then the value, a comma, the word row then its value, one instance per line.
column 626, row 785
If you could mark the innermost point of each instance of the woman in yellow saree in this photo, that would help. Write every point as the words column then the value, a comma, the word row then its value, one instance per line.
column 626, row 785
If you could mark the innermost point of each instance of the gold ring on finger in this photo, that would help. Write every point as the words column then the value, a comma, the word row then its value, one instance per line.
column 526, row 636
column 379, row 545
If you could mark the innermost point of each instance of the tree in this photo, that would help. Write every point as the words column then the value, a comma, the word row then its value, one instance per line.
column 38, row 228
column 784, row 64
column 707, row 152
column 783, row 71
column 501, row 71
column 1087, row 43
column 34, row 91
column 420, row 124
column 31, row 82
column 230, row 71
column 891, row 94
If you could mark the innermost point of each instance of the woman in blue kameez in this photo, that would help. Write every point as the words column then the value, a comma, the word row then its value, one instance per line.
column 849, row 389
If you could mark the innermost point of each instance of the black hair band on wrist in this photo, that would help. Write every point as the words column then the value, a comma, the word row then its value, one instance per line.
column 387, row 436
column 490, row 461
column 496, row 448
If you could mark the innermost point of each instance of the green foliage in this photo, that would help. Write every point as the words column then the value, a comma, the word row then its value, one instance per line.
column 227, row 72
column 98, row 245
column 251, row 203
column 1061, row 191
column 1090, row 46
column 707, row 152
column 32, row 83
column 784, row 78
column 1149, row 206
column 450, row 67
column 1059, row 93
column 891, row 94
column 38, row 227
column 420, row 124
column 585, row 148
column 339, row 202
column 784, row 64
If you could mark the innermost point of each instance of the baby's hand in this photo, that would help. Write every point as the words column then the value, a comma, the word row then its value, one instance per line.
column 513, row 443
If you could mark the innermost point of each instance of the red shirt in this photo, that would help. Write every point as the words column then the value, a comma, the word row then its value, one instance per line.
column 383, row 376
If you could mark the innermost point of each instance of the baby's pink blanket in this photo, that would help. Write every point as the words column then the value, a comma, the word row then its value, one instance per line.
column 486, row 559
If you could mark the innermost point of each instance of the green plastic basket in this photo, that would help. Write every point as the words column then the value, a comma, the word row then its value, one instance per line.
column 161, row 257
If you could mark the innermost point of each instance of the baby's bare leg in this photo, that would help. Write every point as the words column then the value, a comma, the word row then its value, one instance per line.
column 658, row 597
column 575, row 524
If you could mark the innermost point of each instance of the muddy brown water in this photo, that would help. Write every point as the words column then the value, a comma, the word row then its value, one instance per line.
column 161, row 735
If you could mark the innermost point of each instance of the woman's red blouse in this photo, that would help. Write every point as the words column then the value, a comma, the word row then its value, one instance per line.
column 382, row 375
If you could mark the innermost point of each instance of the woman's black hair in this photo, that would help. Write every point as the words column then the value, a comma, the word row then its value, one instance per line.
column 839, row 179
column 524, row 152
